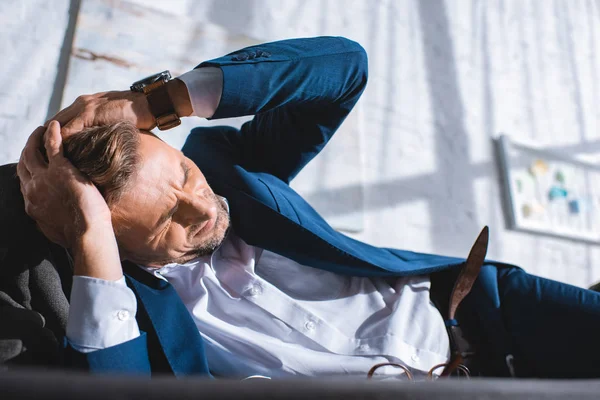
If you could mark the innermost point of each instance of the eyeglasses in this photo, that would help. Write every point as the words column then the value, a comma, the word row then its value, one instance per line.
column 453, row 368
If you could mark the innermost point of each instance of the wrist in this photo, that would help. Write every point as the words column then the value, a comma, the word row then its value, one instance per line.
column 180, row 97
column 96, row 253
column 91, row 223
column 165, row 100
column 141, row 109
column 97, row 228
column 100, row 235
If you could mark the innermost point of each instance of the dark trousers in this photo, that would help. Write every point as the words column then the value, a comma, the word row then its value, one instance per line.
column 550, row 328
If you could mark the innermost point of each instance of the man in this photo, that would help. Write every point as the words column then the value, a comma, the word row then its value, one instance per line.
column 228, row 271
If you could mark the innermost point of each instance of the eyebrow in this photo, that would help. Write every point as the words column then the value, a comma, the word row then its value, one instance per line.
column 186, row 174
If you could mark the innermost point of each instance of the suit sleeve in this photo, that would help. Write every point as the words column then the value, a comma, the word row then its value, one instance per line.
column 300, row 92
column 130, row 357
column 102, row 334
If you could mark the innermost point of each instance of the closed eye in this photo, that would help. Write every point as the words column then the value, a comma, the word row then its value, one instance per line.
column 172, row 212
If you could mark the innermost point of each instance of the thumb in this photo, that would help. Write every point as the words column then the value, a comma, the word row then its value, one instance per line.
column 53, row 142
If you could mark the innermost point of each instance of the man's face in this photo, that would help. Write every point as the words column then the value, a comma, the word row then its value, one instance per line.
column 169, row 213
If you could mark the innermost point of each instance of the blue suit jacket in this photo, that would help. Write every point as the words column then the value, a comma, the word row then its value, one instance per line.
column 300, row 91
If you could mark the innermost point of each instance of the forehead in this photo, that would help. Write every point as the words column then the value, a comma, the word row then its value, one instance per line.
column 151, row 190
column 157, row 158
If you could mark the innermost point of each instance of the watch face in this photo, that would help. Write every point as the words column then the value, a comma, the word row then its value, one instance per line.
column 161, row 76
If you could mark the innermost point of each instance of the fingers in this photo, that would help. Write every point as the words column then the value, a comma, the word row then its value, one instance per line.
column 73, row 126
column 53, row 142
column 23, row 174
column 64, row 115
column 31, row 156
column 71, row 119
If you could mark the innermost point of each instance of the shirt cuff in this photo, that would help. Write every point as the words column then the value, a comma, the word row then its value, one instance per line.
column 101, row 314
column 205, row 86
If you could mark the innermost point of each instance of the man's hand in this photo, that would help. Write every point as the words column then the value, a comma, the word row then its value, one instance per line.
column 103, row 109
column 112, row 107
column 67, row 207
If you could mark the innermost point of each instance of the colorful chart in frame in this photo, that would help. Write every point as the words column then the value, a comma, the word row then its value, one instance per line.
column 551, row 193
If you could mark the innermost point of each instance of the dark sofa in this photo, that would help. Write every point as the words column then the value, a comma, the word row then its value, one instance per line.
column 40, row 384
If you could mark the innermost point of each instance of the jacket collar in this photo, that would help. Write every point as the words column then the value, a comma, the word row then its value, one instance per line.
column 174, row 327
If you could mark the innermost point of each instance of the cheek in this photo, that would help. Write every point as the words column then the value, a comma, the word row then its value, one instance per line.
column 169, row 245
column 172, row 244
column 175, row 239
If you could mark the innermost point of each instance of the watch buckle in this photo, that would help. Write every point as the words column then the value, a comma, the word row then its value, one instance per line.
column 167, row 121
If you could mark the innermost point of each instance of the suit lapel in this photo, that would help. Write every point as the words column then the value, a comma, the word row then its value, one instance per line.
column 264, row 224
column 176, row 332
column 267, row 213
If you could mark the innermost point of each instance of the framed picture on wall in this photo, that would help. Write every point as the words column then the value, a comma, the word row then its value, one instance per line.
column 550, row 193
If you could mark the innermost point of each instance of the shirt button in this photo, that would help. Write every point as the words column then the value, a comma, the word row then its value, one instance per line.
column 123, row 315
column 310, row 325
column 254, row 291
column 414, row 357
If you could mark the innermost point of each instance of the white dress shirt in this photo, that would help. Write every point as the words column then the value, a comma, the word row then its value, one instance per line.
column 261, row 313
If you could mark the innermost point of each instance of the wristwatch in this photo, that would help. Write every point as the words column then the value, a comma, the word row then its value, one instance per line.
column 161, row 105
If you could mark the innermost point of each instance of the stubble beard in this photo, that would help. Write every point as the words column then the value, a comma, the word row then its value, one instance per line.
column 210, row 244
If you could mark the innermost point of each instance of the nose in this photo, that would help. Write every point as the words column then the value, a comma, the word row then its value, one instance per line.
column 196, row 208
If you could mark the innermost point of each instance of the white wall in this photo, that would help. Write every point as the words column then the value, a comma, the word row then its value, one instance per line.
column 31, row 37
column 445, row 77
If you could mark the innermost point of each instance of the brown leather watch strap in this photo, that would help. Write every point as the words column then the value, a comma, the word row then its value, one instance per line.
column 161, row 106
